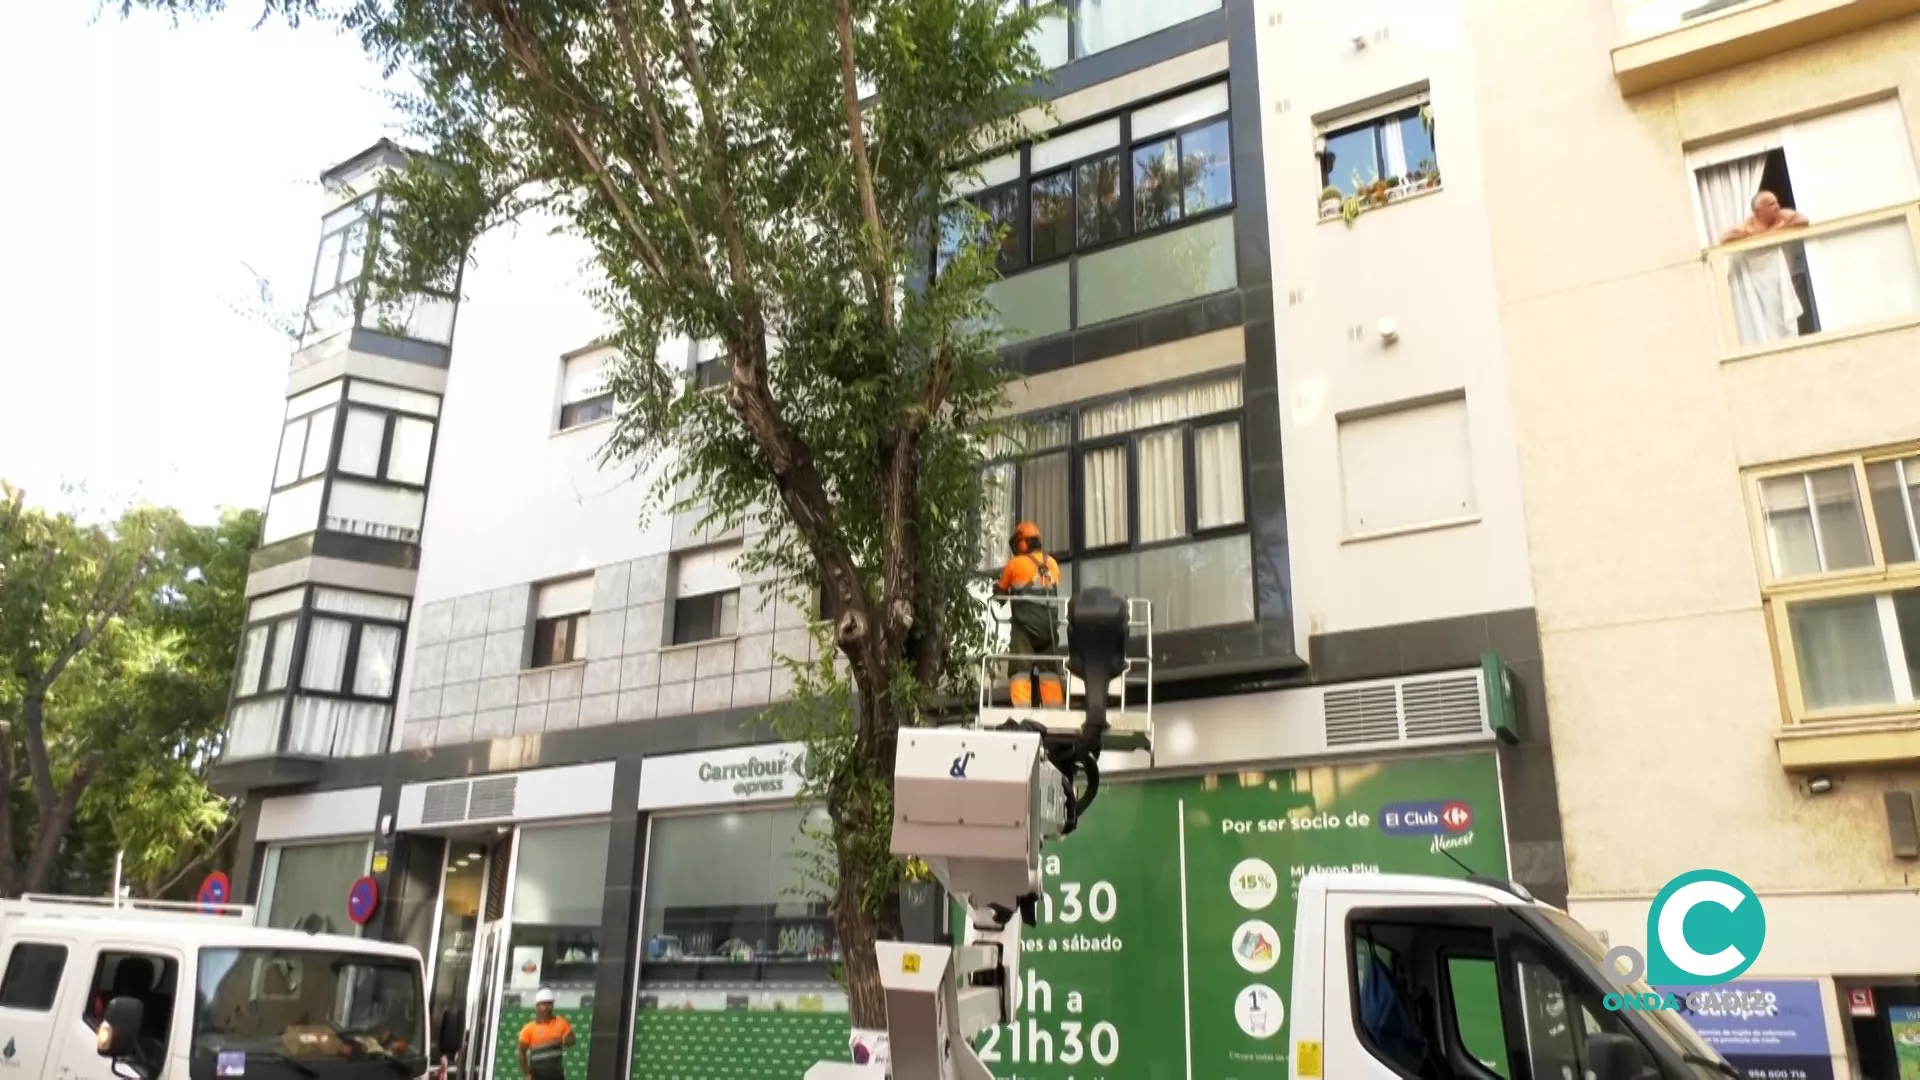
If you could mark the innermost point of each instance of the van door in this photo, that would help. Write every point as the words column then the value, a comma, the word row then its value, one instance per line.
column 37, row 981
column 150, row 973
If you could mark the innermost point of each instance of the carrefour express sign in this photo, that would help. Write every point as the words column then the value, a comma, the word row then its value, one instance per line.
column 716, row 777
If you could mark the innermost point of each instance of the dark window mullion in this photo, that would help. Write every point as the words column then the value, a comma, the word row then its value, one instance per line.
column 1132, row 445
column 386, row 445
column 1189, row 484
column 352, row 660
column 1126, row 176
column 1023, row 209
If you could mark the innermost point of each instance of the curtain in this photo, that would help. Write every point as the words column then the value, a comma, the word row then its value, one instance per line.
column 1163, row 485
column 326, row 654
column 360, row 445
column 1765, row 307
column 1840, row 652
column 1393, row 150
column 253, row 729
column 368, row 605
column 253, row 659
column 282, row 662
column 1104, row 498
column 330, row 727
column 373, row 668
column 1043, row 499
column 1218, row 497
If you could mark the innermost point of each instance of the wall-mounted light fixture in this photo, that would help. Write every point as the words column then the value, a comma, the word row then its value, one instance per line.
column 1819, row 785
column 1388, row 330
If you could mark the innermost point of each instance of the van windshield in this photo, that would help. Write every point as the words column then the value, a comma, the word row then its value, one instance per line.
column 306, row 1010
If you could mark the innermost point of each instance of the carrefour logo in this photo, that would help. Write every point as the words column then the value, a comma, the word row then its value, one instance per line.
column 1705, row 926
column 1437, row 817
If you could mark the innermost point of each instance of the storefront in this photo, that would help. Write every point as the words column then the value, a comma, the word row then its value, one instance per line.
column 520, row 906
column 316, row 847
column 735, row 949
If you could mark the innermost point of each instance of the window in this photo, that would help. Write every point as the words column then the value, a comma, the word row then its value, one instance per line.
column 1473, row 998
column 386, row 446
column 742, row 876
column 32, row 979
column 706, row 594
column 1143, row 494
column 1084, row 27
column 347, row 675
column 559, row 887
column 150, row 977
column 307, row 439
column 710, row 369
column 1387, row 150
column 1102, row 182
column 1406, row 466
column 340, row 298
column 1823, row 215
column 268, row 1002
column 304, row 886
column 560, row 621
column 1841, row 559
column 584, row 397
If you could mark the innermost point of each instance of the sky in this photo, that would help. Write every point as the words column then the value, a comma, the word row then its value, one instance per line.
column 148, row 167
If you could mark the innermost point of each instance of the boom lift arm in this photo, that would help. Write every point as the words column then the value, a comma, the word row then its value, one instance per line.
column 976, row 805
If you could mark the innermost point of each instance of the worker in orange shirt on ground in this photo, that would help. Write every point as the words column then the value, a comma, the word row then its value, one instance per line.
column 544, row 1041
column 1033, row 574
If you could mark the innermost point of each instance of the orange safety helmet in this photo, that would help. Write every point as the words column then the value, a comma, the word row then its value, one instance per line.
column 1026, row 532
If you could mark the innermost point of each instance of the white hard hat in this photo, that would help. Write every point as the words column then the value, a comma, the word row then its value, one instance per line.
column 544, row 997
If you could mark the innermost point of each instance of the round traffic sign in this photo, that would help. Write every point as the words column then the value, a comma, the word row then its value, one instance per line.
column 362, row 899
column 213, row 891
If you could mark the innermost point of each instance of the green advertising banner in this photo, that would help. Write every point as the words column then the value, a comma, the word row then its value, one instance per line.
column 1163, row 949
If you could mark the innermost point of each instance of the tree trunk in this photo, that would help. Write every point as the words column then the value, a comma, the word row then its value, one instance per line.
column 52, row 827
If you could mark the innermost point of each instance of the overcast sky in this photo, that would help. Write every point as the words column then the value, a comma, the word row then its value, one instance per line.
column 147, row 168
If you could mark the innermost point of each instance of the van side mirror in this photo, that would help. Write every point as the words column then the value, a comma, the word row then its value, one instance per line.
column 1618, row 1057
column 119, row 1032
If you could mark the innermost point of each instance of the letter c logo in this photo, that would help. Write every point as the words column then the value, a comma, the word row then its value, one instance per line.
column 1725, row 917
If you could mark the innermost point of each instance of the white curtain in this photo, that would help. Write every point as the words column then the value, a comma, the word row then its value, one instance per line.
column 326, row 654
column 282, row 662
column 1104, row 498
column 1840, row 652
column 253, row 729
column 330, row 727
column 1765, row 307
column 373, row 668
column 1218, row 496
column 353, row 602
column 253, row 659
column 1163, row 486
column 1393, row 148
column 1043, row 498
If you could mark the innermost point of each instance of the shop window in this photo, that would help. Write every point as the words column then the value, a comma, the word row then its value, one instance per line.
column 559, row 889
column 32, row 979
column 305, row 885
column 560, row 621
column 735, row 915
column 1841, row 561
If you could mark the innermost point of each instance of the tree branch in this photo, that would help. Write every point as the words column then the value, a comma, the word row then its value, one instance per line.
column 880, row 273
column 51, row 829
column 10, row 869
column 213, row 848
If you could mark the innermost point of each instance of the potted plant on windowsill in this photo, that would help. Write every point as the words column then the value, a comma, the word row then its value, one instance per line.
column 1380, row 193
column 1330, row 199
column 1426, row 176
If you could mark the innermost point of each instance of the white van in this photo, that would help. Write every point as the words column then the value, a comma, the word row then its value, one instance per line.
column 98, row 990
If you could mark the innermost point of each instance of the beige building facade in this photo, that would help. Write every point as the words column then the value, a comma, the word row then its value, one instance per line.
column 1719, row 453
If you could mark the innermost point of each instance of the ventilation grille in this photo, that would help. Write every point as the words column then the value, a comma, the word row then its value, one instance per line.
column 1430, row 709
column 493, row 798
column 445, row 803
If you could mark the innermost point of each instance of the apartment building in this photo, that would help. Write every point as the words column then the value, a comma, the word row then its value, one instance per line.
column 1716, row 436
column 482, row 670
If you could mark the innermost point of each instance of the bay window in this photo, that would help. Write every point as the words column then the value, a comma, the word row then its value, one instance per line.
column 1842, row 571
column 337, row 653
column 354, row 457
column 340, row 297
column 1144, row 494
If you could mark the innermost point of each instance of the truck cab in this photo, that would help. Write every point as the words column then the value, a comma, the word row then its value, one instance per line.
column 99, row 990
column 1398, row 976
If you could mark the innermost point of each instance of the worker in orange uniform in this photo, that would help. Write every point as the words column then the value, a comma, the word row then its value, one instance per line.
column 544, row 1041
column 1032, row 574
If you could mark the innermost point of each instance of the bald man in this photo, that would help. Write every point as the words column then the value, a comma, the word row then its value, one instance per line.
column 1767, row 216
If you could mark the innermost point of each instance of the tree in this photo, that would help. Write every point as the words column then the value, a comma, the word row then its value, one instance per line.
column 738, row 184
column 116, row 645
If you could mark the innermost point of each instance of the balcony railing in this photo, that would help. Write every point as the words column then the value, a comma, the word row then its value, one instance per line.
column 1129, row 694
column 1791, row 286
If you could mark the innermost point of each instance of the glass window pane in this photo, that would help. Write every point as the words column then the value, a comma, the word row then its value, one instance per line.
column 353, row 255
column 556, row 926
column 1104, row 497
column 1842, row 525
column 1097, row 194
column 282, row 662
column 1163, row 485
column 253, row 659
column 1906, row 616
column 360, row 444
column 954, row 223
column 1002, row 208
column 1043, row 500
column 354, row 602
column 326, row 265
column 1206, row 167
column 1352, row 160
column 412, row 441
column 1840, row 652
column 1476, row 1011
column 310, row 884
column 293, row 443
column 326, row 654
column 1207, row 583
column 996, row 513
column 1156, row 186
column 1895, row 489
column 1790, row 543
column 1053, row 221
column 1219, row 496
column 253, row 729
column 319, row 443
column 1416, row 142
column 373, row 667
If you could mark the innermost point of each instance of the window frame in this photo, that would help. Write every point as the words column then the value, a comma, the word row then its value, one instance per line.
column 302, row 616
column 1022, row 184
column 390, row 422
column 570, row 411
column 719, row 597
column 341, row 405
column 374, row 210
column 65, row 950
column 1376, row 118
column 1779, row 593
column 576, row 639
column 1076, row 449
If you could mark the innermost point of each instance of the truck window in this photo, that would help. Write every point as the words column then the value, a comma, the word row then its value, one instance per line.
column 1473, row 994
column 33, row 976
column 1560, row 1011
column 150, row 978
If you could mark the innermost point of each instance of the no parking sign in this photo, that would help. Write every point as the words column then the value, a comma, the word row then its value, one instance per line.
column 362, row 899
column 213, row 892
